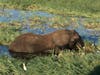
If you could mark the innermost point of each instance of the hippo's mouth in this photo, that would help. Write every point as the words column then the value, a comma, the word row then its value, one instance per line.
column 79, row 46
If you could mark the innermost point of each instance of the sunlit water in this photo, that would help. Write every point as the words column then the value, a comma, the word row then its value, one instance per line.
column 9, row 15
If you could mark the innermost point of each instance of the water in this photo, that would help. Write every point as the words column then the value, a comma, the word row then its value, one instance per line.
column 9, row 15
column 18, row 15
column 4, row 50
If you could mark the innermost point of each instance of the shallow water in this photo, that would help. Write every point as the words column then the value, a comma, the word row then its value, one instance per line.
column 4, row 50
column 9, row 15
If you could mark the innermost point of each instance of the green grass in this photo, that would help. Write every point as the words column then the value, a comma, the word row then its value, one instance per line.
column 88, row 8
column 69, row 63
column 8, row 33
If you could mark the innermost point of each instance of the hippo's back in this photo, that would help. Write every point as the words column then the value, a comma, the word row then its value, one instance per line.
column 24, row 42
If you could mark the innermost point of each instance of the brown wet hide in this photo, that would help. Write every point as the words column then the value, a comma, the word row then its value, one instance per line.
column 30, row 43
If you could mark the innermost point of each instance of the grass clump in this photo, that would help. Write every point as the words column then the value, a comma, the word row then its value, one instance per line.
column 69, row 63
column 8, row 34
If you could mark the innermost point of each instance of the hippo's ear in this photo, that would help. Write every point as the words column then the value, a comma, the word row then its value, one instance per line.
column 72, row 31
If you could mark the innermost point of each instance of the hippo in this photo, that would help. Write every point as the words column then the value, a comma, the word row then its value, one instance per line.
column 30, row 43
